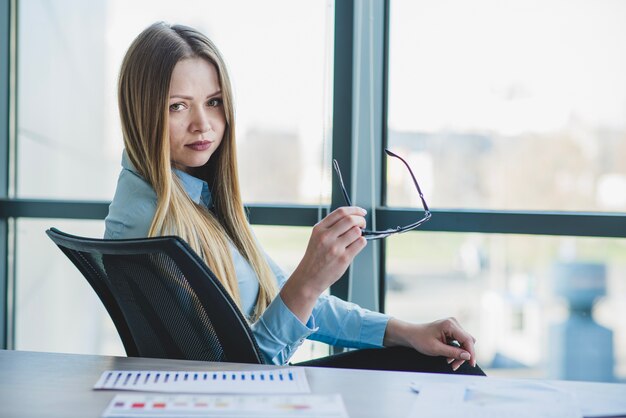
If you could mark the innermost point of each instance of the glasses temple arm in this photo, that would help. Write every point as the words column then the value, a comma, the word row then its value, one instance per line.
column 343, row 187
column 417, row 186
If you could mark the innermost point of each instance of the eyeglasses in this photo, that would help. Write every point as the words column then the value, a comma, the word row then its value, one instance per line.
column 372, row 235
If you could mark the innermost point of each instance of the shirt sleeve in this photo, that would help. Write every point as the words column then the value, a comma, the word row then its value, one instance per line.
column 279, row 332
column 333, row 321
column 346, row 324
column 132, row 209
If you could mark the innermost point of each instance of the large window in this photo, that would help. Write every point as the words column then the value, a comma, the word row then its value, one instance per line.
column 69, row 55
column 69, row 141
column 532, row 302
column 515, row 105
column 521, row 106
column 55, row 308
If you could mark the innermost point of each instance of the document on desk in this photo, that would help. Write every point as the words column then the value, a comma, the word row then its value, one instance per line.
column 597, row 399
column 250, row 406
column 268, row 381
column 492, row 398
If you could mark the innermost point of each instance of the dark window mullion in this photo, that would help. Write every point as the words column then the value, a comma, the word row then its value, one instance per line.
column 592, row 224
column 284, row 215
column 342, row 111
column 5, row 114
column 382, row 257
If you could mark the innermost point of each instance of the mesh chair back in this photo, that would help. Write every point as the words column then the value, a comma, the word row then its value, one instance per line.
column 163, row 299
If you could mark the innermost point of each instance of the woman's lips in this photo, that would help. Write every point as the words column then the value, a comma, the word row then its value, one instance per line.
column 199, row 145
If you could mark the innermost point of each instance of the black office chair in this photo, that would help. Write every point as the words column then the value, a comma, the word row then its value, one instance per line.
column 164, row 300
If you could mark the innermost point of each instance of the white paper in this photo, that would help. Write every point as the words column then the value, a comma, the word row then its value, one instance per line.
column 597, row 399
column 493, row 398
column 276, row 406
column 285, row 380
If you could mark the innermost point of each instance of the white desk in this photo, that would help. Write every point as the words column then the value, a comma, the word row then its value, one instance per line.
column 60, row 385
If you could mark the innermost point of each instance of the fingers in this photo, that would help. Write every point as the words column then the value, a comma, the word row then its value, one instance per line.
column 459, row 344
column 340, row 214
column 348, row 230
column 469, row 347
column 456, row 364
column 464, row 340
column 342, row 227
column 356, row 247
column 334, row 242
column 454, row 353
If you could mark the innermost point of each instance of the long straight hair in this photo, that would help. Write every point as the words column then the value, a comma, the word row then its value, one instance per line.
column 144, row 84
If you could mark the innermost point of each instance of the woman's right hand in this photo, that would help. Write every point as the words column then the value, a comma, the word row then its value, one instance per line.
column 334, row 243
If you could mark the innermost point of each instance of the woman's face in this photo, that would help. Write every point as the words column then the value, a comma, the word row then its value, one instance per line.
column 196, row 113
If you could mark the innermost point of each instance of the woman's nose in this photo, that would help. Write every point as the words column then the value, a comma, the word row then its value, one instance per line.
column 201, row 122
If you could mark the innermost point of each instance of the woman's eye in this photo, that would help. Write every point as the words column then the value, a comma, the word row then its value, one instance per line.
column 177, row 107
column 214, row 102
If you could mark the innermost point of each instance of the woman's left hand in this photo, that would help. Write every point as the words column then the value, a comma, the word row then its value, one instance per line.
column 433, row 339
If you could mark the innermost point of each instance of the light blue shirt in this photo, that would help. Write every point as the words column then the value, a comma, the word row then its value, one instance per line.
column 278, row 331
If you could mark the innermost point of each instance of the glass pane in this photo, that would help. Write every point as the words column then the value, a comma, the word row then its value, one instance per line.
column 56, row 309
column 70, row 53
column 548, row 307
column 512, row 104
column 286, row 246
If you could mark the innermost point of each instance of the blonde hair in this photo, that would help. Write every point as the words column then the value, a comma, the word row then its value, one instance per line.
column 144, row 84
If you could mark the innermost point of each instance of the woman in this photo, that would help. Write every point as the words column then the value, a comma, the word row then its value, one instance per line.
column 179, row 177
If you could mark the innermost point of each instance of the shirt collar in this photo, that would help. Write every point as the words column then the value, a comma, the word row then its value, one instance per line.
column 197, row 189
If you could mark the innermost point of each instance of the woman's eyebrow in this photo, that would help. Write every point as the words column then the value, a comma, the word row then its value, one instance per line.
column 182, row 96
column 215, row 94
